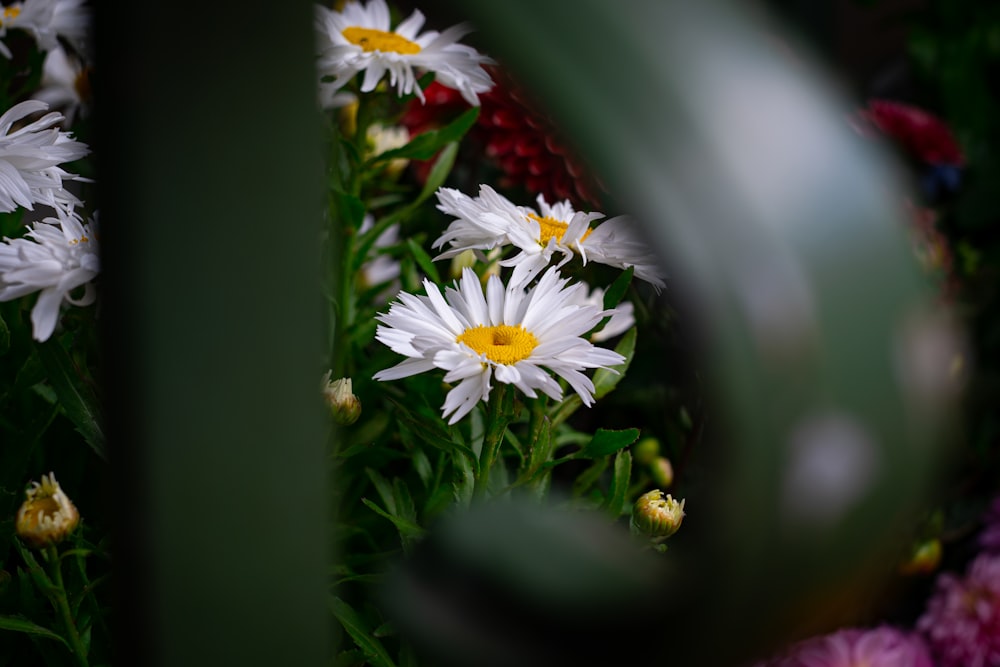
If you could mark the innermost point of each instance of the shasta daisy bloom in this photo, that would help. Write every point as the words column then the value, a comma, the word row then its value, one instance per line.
column 29, row 157
column 359, row 39
column 491, row 220
column 622, row 316
column 511, row 334
column 55, row 258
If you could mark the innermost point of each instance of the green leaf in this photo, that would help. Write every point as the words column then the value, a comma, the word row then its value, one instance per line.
column 585, row 480
column 430, row 431
column 439, row 172
column 405, row 508
column 407, row 529
column 618, row 492
column 384, row 489
column 15, row 624
column 607, row 442
column 75, row 398
column 364, row 243
column 423, row 260
column 464, row 481
column 425, row 146
column 615, row 293
column 606, row 380
column 355, row 627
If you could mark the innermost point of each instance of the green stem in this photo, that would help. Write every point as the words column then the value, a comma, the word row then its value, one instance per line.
column 61, row 603
column 496, row 425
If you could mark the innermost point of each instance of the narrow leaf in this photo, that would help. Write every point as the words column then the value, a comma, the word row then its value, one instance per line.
column 384, row 489
column 424, row 146
column 406, row 528
column 606, row 380
column 614, row 294
column 619, row 484
column 423, row 260
column 439, row 172
column 355, row 627
column 75, row 398
column 15, row 624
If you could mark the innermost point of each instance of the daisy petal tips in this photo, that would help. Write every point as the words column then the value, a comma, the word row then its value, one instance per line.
column 359, row 39
column 511, row 334
column 491, row 220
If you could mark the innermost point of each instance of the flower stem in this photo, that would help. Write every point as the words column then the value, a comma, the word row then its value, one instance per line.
column 61, row 603
column 497, row 417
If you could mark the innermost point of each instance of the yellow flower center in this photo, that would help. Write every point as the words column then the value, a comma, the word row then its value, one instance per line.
column 370, row 39
column 501, row 344
column 552, row 229
column 11, row 12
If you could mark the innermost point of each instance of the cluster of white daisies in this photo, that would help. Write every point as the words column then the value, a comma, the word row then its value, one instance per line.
column 513, row 332
column 57, row 256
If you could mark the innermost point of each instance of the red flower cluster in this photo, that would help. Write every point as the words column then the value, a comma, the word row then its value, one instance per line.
column 520, row 140
column 922, row 135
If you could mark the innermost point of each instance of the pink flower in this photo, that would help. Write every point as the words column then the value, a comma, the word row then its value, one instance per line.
column 962, row 620
column 884, row 646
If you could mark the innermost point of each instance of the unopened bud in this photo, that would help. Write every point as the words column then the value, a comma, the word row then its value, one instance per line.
column 662, row 472
column 646, row 451
column 463, row 260
column 924, row 558
column 344, row 405
column 47, row 515
column 657, row 515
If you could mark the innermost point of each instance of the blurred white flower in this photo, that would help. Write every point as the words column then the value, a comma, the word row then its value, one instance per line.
column 28, row 159
column 491, row 220
column 57, row 256
column 383, row 269
column 622, row 315
column 510, row 334
column 359, row 39
column 47, row 21
column 65, row 85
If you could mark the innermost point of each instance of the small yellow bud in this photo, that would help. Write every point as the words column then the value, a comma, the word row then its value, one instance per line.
column 657, row 515
column 646, row 451
column 344, row 405
column 47, row 515
column 662, row 472
column 924, row 558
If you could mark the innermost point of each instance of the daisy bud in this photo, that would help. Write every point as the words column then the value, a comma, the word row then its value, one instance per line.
column 47, row 515
column 646, row 451
column 344, row 405
column 463, row 260
column 924, row 558
column 380, row 139
column 657, row 515
column 662, row 472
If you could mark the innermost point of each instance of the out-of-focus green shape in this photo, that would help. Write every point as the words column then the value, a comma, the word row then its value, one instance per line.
column 210, row 168
column 707, row 123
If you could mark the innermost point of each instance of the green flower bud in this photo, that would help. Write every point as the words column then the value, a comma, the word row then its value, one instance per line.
column 463, row 260
column 344, row 405
column 662, row 472
column 646, row 451
column 657, row 515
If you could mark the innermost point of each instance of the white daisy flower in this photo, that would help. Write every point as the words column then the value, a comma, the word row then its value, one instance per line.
column 28, row 159
column 491, row 220
column 512, row 334
column 359, row 39
column 65, row 85
column 47, row 21
column 57, row 256
column 622, row 315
